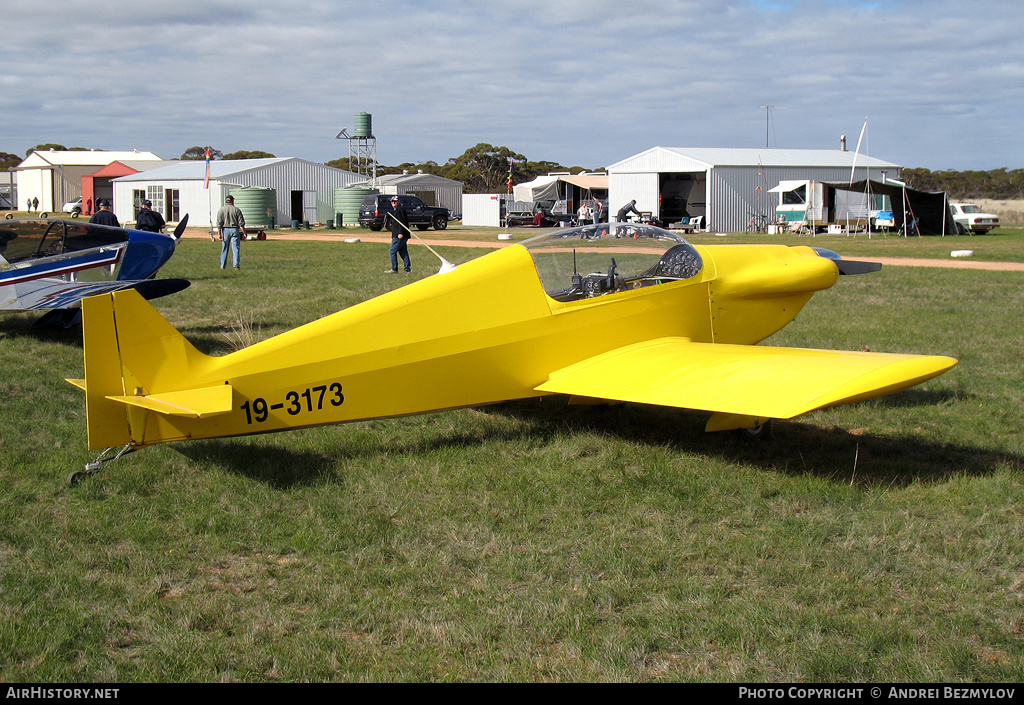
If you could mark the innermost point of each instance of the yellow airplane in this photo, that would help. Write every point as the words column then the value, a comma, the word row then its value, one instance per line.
column 653, row 319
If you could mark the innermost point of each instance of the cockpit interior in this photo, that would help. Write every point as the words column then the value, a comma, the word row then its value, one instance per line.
column 607, row 258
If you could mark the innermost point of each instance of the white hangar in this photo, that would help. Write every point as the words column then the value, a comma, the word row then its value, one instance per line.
column 55, row 177
column 303, row 191
column 725, row 185
column 431, row 189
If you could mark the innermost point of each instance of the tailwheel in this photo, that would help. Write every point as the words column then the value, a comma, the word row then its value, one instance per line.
column 95, row 466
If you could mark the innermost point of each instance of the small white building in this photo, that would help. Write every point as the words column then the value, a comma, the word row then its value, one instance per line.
column 726, row 185
column 431, row 189
column 304, row 190
column 55, row 177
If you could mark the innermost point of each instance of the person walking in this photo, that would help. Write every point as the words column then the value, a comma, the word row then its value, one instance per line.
column 231, row 224
column 398, row 222
column 149, row 220
column 104, row 216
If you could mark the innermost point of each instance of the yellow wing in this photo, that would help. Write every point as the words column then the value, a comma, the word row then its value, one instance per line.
column 742, row 380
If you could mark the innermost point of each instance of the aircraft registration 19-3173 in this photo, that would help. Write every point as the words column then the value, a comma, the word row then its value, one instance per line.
column 48, row 263
column 616, row 311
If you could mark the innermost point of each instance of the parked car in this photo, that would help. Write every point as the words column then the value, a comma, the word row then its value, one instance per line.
column 376, row 206
column 73, row 206
column 970, row 218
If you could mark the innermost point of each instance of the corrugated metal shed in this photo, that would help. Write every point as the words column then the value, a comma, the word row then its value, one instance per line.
column 727, row 185
column 432, row 189
column 304, row 190
column 55, row 176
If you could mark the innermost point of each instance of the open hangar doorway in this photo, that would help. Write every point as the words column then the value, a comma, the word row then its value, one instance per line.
column 681, row 196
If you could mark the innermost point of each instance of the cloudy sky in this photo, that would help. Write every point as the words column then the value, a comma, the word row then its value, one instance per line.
column 580, row 82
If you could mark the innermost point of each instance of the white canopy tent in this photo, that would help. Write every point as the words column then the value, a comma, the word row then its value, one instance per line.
column 546, row 188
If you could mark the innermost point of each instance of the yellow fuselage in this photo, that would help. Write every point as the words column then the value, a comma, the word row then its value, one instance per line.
column 483, row 333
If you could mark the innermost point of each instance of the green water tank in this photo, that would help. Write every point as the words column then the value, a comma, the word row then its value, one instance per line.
column 255, row 202
column 363, row 125
column 347, row 201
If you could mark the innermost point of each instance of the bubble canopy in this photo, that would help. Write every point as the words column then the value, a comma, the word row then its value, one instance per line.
column 607, row 258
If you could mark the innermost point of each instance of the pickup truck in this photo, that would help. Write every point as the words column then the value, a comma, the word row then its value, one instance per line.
column 376, row 206
column 970, row 218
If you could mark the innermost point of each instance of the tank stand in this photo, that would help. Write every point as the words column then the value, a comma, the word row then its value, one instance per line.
column 95, row 466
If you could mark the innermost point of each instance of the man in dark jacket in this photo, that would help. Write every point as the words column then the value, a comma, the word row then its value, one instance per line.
column 630, row 207
column 104, row 216
column 398, row 223
column 149, row 220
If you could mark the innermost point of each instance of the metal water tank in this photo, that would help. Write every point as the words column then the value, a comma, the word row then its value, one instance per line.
column 254, row 202
column 347, row 201
column 363, row 125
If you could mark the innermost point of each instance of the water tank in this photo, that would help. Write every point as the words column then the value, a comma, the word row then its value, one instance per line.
column 254, row 201
column 363, row 125
column 347, row 201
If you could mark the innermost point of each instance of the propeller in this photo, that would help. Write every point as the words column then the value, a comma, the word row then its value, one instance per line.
column 848, row 266
column 180, row 229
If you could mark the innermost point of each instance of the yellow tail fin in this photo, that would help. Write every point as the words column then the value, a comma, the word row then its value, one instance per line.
column 131, row 354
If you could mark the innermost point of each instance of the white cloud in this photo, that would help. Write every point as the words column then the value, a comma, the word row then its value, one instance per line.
column 583, row 82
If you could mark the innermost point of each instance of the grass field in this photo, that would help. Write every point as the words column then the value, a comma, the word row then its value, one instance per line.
column 882, row 541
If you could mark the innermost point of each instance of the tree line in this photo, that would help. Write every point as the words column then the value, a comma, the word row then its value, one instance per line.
column 486, row 168
column 997, row 184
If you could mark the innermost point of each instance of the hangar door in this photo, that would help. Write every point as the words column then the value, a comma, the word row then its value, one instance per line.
column 682, row 195
column 304, row 206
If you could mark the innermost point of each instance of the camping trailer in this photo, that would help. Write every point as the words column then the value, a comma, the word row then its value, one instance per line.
column 817, row 204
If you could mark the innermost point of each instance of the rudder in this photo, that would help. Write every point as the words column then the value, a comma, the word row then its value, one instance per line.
column 130, row 350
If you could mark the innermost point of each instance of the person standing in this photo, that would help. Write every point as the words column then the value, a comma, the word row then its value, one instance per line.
column 35, row 204
column 231, row 224
column 583, row 214
column 398, row 222
column 630, row 207
column 149, row 220
column 88, row 206
column 104, row 216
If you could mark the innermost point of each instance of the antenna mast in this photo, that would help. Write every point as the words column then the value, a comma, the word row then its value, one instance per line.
column 767, row 114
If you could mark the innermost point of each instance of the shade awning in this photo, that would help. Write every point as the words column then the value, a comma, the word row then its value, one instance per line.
column 785, row 186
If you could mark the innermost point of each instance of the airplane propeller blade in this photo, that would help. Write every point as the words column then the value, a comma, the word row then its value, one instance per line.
column 180, row 229
column 848, row 266
column 155, row 288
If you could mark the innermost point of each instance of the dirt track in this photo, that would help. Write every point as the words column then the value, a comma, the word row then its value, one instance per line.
column 951, row 263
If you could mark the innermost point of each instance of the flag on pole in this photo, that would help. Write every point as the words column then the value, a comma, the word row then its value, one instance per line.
column 206, row 180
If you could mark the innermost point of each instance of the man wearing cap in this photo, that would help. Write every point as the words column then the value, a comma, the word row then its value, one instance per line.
column 231, row 224
column 149, row 220
column 398, row 222
column 104, row 216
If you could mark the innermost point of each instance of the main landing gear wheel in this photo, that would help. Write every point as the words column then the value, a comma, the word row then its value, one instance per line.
column 761, row 432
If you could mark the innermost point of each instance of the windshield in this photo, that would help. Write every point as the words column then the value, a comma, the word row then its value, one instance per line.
column 31, row 238
column 596, row 260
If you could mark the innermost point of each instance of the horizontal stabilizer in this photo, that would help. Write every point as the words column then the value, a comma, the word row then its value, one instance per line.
column 80, row 383
column 196, row 403
column 747, row 380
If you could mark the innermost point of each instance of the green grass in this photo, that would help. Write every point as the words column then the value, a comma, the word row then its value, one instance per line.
column 529, row 540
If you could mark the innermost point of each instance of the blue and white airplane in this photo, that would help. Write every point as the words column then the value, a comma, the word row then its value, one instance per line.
column 53, row 264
